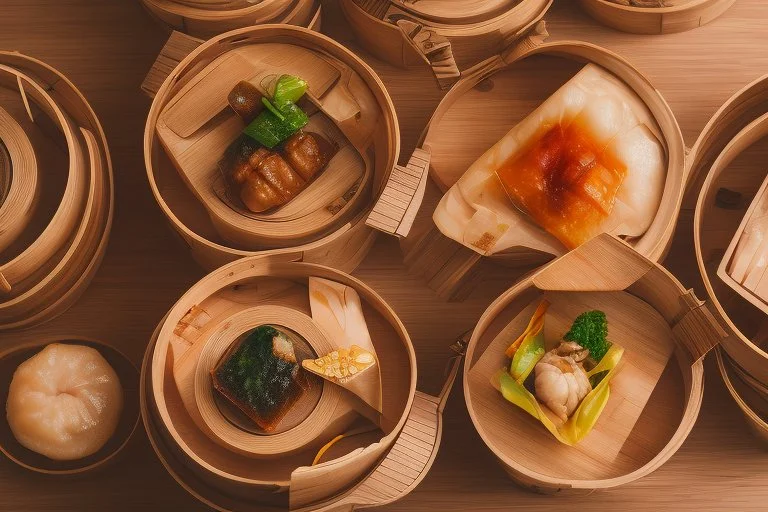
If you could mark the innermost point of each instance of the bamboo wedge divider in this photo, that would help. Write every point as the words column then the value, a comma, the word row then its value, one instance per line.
column 604, row 273
column 451, row 269
column 667, row 17
column 126, row 371
column 208, row 19
column 352, row 104
column 50, row 256
column 450, row 37
column 359, row 471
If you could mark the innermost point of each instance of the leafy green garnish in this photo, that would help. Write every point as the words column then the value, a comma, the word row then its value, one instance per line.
column 272, row 108
column 590, row 330
column 288, row 89
column 270, row 130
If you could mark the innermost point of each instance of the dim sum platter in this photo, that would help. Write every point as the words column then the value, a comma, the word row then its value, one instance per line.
column 727, row 161
column 50, row 252
column 195, row 133
column 508, row 82
column 128, row 374
column 655, row 397
column 190, row 127
column 201, row 327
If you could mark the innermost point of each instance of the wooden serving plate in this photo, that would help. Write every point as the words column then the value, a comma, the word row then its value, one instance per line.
column 675, row 16
column 203, row 219
column 128, row 374
column 728, row 155
column 450, row 268
column 207, row 19
column 450, row 37
column 653, row 405
column 43, row 274
column 196, row 126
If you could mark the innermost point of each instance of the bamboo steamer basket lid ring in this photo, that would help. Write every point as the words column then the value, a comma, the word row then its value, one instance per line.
column 336, row 482
column 346, row 245
column 448, row 36
column 717, row 161
column 44, row 277
column 674, row 16
column 753, row 405
column 208, row 19
column 596, row 271
column 443, row 157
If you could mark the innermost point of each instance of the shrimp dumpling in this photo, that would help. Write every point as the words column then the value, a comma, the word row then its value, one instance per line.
column 588, row 160
column 64, row 402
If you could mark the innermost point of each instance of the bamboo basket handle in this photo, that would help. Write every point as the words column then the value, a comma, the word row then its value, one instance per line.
column 533, row 36
column 423, row 427
column 434, row 48
column 399, row 202
column 177, row 47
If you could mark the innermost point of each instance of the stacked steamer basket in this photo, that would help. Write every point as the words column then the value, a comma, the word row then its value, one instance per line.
column 207, row 18
column 492, row 98
column 655, row 395
column 57, row 192
column 655, row 16
column 190, row 126
column 224, row 462
column 449, row 37
column 727, row 162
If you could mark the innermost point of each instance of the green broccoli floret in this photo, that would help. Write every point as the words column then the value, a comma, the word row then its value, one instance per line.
column 590, row 330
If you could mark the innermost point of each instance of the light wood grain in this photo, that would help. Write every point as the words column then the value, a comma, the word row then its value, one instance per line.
column 106, row 48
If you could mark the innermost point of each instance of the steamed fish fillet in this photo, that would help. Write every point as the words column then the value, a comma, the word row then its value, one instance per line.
column 750, row 258
column 588, row 160
column 64, row 402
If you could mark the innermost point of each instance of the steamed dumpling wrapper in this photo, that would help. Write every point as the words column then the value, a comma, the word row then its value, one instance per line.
column 588, row 160
column 353, row 365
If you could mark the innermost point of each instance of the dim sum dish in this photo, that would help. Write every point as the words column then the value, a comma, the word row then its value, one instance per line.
column 449, row 37
column 271, row 141
column 71, row 405
column 330, row 388
column 560, row 152
column 727, row 166
column 56, row 181
column 655, row 16
column 208, row 18
column 596, row 361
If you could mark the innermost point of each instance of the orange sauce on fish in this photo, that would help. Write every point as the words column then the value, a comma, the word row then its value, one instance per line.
column 565, row 181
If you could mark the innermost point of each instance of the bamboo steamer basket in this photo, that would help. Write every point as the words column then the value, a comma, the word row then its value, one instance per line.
column 727, row 156
column 674, row 16
column 652, row 314
column 55, row 224
column 126, row 371
column 361, row 471
column 750, row 396
column 205, row 222
column 520, row 79
column 449, row 37
column 210, row 18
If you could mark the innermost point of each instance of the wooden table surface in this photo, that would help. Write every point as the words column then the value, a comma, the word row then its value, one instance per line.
column 106, row 46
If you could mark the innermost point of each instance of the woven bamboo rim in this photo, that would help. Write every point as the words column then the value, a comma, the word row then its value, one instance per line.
column 129, row 420
column 20, row 190
column 155, row 373
column 738, row 124
column 201, row 20
column 47, row 276
column 472, row 37
column 343, row 248
column 681, row 16
column 756, row 421
column 612, row 266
